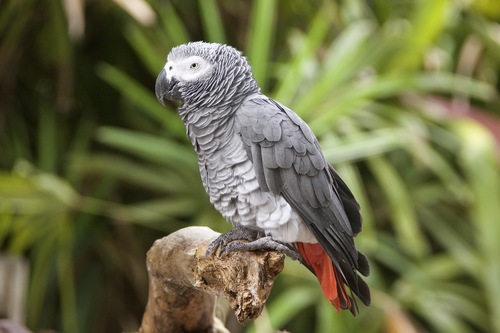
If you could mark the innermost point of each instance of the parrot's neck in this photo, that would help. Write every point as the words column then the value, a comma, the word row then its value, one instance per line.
column 209, row 128
column 223, row 101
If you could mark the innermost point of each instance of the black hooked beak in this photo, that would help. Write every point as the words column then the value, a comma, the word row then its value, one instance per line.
column 166, row 89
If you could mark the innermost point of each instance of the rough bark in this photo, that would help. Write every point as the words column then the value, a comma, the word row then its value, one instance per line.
column 183, row 283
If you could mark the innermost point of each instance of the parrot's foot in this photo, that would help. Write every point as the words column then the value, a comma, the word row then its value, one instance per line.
column 231, row 242
column 232, row 235
column 262, row 244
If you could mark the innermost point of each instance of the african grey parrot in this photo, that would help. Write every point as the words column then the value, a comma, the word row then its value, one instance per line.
column 264, row 170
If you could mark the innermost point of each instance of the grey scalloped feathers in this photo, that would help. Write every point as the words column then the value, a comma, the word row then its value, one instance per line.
column 263, row 170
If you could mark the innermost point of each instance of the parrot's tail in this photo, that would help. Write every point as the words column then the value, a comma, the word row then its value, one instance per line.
column 329, row 277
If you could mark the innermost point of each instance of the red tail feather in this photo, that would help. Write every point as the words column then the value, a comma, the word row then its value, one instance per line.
column 329, row 279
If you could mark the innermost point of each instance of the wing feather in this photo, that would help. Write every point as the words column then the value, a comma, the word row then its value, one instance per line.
column 269, row 157
column 289, row 177
column 308, row 191
column 302, row 164
column 258, row 165
column 322, row 189
column 272, row 132
column 288, row 161
column 273, row 180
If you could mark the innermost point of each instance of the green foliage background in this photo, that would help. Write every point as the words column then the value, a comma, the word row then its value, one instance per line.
column 93, row 169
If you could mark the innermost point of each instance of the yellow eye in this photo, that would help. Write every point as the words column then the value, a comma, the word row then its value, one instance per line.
column 194, row 65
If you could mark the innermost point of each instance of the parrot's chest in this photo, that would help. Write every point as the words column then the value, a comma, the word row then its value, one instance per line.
column 230, row 181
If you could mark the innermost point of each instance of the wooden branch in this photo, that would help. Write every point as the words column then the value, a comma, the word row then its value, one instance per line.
column 183, row 283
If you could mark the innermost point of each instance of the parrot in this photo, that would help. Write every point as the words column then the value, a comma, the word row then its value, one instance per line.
column 264, row 171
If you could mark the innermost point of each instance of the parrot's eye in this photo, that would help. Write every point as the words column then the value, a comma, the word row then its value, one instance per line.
column 193, row 68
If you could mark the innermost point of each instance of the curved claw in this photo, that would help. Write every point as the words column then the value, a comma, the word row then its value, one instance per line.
column 212, row 248
column 261, row 244
column 231, row 242
column 221, row 242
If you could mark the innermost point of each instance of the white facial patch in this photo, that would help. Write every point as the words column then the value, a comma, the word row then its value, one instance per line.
column 190, row 69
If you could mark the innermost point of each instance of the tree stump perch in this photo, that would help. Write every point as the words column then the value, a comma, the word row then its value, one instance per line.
column 183, row 283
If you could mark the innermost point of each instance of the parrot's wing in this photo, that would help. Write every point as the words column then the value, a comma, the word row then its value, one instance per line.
column 288, row 161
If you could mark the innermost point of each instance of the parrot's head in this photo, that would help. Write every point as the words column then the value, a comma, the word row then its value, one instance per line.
column 205, row 74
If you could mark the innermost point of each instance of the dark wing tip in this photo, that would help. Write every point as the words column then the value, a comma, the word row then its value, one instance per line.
column 363, row 265
column 363, row 292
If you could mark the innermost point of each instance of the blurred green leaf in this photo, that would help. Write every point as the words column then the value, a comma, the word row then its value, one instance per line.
column 150, row 147
column 142, row 97
column 289, row 303
column 258, row 46
column 426, row 24
column 172, row 23
column 404, row 219
column 146, row 49
column 480, row 161
column 343, row 62
column 212, row 21
column 297, row 67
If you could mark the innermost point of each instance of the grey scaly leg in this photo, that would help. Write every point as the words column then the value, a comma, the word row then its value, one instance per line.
column 231, row 242
column 262, row 244
column 232, row 235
